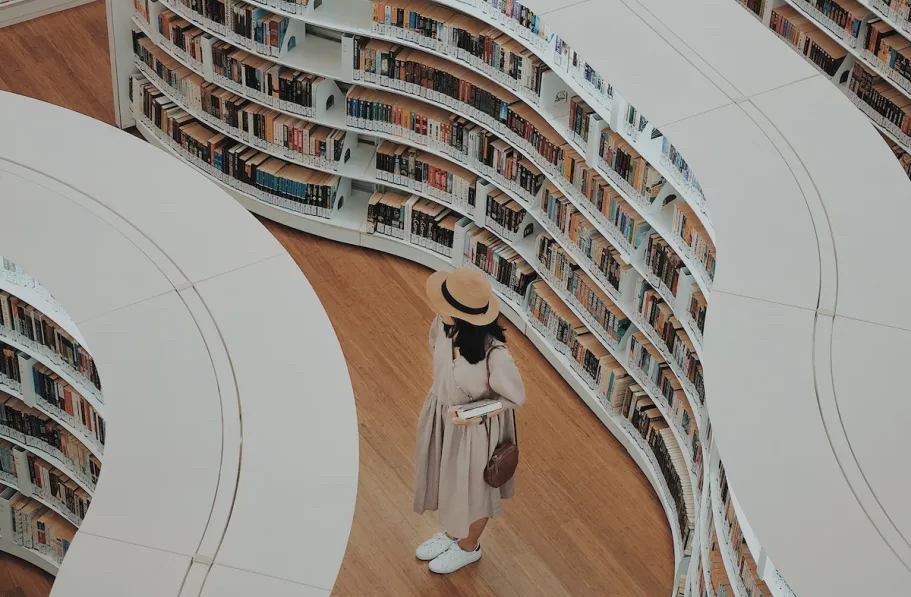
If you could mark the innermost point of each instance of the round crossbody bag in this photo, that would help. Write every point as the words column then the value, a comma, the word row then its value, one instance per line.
column 501, row 467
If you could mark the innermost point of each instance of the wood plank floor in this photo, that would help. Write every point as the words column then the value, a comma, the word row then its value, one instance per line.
column 584, row 522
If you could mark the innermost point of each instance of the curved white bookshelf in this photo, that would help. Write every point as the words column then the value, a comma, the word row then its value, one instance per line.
column 157, row 304
column 785, row 310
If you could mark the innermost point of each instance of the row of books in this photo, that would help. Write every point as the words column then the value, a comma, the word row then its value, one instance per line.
column 579, row 231
column 182, row 34
column 903, row 157
column 632, row 403
column 646, row 358
column 269, row 83
column 746, row 565
column 884, row 99
column 502, row 263
column 35, row 428
column 212, row 10
column 60, row 399
column 444, row 131
column 505, row 215
column 35, row 526
column 698, row 309
column 601, row 310
column 718, row 574
column 272, row 179
column 687, row 227
column 56, row 488
column 684, row 174
column 386, row 63
column 845, row 16
column 255, row 24
column 433, row 226
column 425, row 173
column 268, row 128
column 30, row 324
column 890, row 49
column 663, row 263
column 659, row 315
column 757, row 7
column 509, row 163
column 553, row 319
column 807, row 39
column 620, row 157
column 463, row 37
column 579, row 118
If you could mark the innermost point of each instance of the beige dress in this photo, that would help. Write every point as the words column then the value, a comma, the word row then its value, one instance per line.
column 451, row 458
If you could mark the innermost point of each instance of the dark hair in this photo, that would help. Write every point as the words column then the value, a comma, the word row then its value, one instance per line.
column 474, row 340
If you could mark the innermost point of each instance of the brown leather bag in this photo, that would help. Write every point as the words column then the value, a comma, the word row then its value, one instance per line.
column 505, row 459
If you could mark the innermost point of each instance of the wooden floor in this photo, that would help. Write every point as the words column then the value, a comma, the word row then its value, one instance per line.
column 584, row 522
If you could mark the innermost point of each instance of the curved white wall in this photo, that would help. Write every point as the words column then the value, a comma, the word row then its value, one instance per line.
column 203, row 491
column 808, row 320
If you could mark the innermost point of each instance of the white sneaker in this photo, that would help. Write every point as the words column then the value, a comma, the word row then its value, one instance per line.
column 454, row 558
column 433, row 547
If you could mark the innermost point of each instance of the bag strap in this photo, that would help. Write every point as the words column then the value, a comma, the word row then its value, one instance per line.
column 515, row 424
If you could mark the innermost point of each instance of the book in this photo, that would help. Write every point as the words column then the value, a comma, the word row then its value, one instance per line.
column 478, row 409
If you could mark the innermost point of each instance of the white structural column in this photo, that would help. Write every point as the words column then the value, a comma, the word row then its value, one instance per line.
column 808, row 326
column 205, row 490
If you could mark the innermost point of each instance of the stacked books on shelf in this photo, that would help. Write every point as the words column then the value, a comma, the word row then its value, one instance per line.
column 63, row 402
column 183, row 38
column 486, row 48
column 35, row 526
column 746, row 565
column 268, row 83
column 256, row 28
column 679, row 169
column 663, row 265
column 628, row 168
column 687, row 227
column 567, row 334
column 754, row 6
column 505, row 216
column 57, row 489
column 721, row 584
column 503, row 265
column 882, row 102
column 599, row 310
column 31, row 427
column 246, row 169
column 269, row 129
column 420, row 73
column 697, row 311
column 39, row 333
column 807, row 39
column 844, row 18
column 889, row 51
column 386, row 214
column 433, row 226
column 633, row 404
column 579, row 118
column 904, row 158
column 140, row 7
column 426, row 174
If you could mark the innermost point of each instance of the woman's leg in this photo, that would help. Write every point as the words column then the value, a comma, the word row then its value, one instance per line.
column 470, row 543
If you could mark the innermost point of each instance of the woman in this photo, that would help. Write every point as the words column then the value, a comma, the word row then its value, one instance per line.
column 470, row 362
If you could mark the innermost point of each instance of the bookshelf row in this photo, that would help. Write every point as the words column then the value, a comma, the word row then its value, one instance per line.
column 52, row 431
column 564, row 162
column 508, row 217
column 435, row 235
column 860, row 48
column 446, row 135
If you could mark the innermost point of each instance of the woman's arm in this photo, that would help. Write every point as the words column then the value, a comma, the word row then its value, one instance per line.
column 505, row 380
column 434, row 332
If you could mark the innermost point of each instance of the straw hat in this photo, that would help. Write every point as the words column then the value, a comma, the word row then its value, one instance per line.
column 465, row 294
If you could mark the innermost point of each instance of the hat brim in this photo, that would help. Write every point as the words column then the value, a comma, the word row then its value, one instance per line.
column 435, row 294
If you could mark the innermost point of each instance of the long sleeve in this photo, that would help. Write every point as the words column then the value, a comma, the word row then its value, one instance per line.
column 435, row 332
column 505, row 380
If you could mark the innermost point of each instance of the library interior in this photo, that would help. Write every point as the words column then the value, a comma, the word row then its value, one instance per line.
column 262, row 210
